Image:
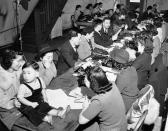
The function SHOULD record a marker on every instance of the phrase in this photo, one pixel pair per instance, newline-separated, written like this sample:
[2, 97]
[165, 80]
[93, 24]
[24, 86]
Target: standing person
[32, 95]
[68, 53]
[47, 70]
[110, 113]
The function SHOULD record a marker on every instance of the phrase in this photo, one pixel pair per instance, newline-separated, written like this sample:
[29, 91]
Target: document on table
[58, 98]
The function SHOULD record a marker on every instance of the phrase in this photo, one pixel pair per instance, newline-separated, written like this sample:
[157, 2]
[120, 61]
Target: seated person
[106, 35]
[85, 46]
[155, 10]
[101, 7]
[9, 77]
[121, 20]
[77, 13]
[110, 14]
[147, 14]
[117, 12]
[10, 71]
[47, 68]
[143, 63]
[32, 95]
[75, 25]
[89, 10]
[68, 53]
[103, 111]
[96, 8]
[127, 79]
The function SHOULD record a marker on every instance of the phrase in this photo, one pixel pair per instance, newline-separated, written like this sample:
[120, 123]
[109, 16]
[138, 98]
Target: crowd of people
[129, 42]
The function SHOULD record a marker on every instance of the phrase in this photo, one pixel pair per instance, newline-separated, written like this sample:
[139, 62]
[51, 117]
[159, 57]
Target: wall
[162, 4]
[8, 18]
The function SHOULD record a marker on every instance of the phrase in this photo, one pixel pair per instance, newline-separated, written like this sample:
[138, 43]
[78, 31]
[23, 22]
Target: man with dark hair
[68, 53]
[106, 35]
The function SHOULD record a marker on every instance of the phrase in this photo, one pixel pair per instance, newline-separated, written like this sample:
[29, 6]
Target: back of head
[149, 8]
[98, 80]
[118, 6]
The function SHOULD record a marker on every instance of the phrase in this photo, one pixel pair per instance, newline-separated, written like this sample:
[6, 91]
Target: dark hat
[44, 48]
[120, 55]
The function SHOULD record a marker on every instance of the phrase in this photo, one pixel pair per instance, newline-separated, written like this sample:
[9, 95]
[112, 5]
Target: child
[31, 94]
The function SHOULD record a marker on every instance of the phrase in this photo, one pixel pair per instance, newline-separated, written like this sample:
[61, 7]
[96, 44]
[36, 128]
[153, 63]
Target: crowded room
[83, 65]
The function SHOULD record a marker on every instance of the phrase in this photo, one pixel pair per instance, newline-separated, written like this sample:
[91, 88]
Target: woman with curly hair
[106, 109]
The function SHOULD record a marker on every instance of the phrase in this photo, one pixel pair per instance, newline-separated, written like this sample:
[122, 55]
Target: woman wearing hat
[102, 112]
[127, 79]
[47, 68]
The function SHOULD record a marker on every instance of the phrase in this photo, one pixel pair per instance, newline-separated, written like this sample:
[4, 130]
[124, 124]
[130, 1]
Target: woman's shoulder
[96, 98]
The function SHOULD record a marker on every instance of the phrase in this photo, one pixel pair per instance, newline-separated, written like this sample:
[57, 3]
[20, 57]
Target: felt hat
[44, 48]
[120, 55]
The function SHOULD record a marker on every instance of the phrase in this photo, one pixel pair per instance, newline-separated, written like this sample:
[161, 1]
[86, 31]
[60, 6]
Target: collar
[105, 30]
[73, 46]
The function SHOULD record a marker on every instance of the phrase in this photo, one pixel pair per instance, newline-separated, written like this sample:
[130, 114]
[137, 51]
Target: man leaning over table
[68, 53]
[105, 36]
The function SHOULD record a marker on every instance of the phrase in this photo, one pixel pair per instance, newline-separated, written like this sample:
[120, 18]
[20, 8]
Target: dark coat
[143, 65]
[67, 58]
[159, 79]
[127, 82]
[104, 39]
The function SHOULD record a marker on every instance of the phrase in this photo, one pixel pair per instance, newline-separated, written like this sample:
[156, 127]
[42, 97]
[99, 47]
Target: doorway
[134, 4]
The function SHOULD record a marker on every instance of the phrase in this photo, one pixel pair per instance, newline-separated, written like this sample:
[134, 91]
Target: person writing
[103, 105]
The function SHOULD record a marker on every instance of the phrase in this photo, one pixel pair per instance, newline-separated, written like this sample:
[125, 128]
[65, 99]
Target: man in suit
[106, 35]
[68, 53]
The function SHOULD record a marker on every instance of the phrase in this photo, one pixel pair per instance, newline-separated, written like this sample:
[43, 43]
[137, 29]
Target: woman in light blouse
[47, 68]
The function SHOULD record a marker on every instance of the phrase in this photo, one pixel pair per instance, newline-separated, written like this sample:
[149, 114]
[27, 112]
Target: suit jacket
[67, 58]
[104, 39]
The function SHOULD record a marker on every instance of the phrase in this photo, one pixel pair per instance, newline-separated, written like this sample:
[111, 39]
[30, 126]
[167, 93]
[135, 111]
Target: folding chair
[141, 121]
[139, 109]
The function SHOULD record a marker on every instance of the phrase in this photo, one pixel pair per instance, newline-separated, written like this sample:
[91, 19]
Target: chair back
[138, 111]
